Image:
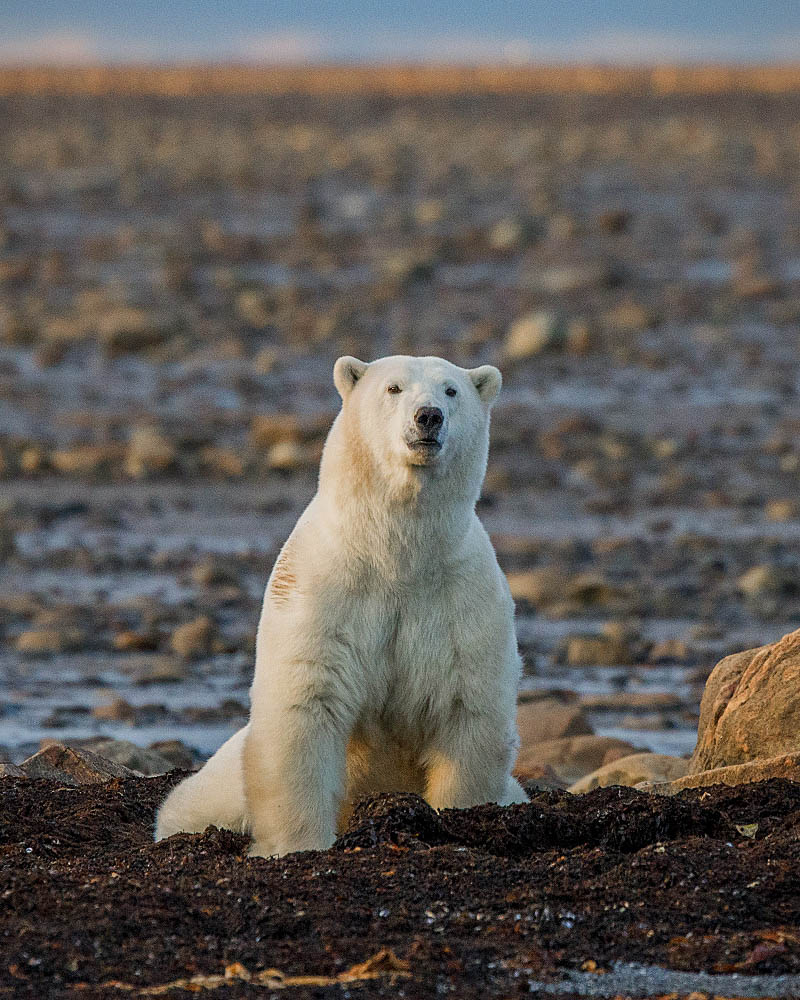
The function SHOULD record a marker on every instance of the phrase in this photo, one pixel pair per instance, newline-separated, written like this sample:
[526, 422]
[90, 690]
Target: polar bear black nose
[429, 419]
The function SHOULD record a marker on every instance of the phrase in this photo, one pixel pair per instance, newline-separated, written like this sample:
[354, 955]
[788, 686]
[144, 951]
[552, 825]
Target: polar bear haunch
[386, 658]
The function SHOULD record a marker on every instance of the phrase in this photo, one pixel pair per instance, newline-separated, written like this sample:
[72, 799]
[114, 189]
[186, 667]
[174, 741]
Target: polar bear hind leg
[212, 796]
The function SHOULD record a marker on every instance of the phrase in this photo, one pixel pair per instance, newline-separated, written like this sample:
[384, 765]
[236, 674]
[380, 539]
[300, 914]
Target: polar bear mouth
[426, 444]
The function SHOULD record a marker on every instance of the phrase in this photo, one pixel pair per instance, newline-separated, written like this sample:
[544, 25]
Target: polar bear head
[423, 416]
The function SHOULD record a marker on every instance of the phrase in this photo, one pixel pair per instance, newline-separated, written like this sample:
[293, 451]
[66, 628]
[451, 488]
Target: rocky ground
[177, 276]
[574, 895]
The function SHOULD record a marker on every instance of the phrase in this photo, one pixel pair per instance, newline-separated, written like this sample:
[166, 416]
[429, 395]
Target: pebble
[176, 753]
[767, 580]
[639, 701]
[118, 710]
[532, 334]
[49, 641]
[193, 639]
[145, 760]
[87, 460]
[538, 587]
[270, 429]
[547, 719]
[149, 453]
[222, 462]
[288, 455]
[782, 511]
[592, 589]
[214, 573]
[73, 766]
[130, 641]
[156, 669]
[671, 651]
[632, 770]
[596, 650]
[9, 770]
[571, 757]
[129, 330]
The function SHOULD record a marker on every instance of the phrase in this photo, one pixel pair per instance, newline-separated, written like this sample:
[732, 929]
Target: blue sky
[515, 31]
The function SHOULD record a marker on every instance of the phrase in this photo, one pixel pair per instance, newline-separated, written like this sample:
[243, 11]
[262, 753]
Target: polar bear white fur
[386, 658]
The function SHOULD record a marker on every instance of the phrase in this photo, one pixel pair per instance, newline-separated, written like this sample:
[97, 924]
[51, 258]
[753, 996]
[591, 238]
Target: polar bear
[386, 657]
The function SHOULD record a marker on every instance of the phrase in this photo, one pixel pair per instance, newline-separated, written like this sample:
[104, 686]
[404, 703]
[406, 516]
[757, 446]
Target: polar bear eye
[450, 391]
[393, 388]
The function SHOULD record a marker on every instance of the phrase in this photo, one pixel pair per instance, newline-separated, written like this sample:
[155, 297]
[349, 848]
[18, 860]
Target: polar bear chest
[407, 655]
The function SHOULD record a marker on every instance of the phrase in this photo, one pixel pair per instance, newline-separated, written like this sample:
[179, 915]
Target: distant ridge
[397, 80]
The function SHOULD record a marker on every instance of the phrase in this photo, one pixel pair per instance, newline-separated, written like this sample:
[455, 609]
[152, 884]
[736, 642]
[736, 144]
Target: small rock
[613, 220]
[71, 766]
[632, 701]
[538, 587]
[591, 589]
[176, 752]
[9, 770]
[507, 234]
[781, 766]
[255, 307]
[229, 709]
[628, 317]
[128, 330]
[561, 279]
[214, 573]
[542, 779]
[149, 453]
[49, 641]
[581, 336]
[265, 361]
[141, 759]
[118, 710]
[221, 462]
[706, 632]
[571, 757]
[655, 722]
[782, 510]
[597, 650]
[130, 641]
[268, 429]
[87, 459]
[767, 580]
[32, 460]
[631, 770]
[287, 455]
[156, 669]
[549, 719]
[671, 651]
[194, 639]
[429, 210]
[532, 334]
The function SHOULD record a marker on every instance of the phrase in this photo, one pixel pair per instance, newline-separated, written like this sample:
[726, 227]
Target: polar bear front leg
[294, 774]
[471, 765]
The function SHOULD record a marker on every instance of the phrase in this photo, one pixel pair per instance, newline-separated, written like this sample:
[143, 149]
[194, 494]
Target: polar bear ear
[487, 380]
[346, 372]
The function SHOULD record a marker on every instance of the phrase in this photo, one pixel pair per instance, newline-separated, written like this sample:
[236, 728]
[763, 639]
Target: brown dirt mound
[475, 902]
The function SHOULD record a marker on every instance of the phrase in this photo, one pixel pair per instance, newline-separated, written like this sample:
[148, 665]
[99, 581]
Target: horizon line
[397, 79]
